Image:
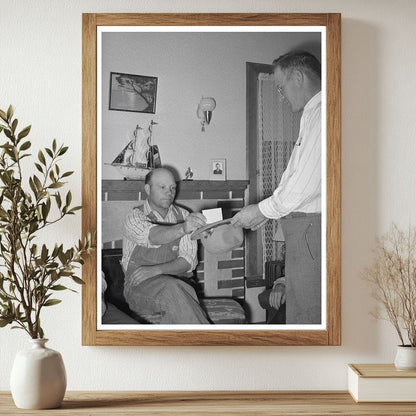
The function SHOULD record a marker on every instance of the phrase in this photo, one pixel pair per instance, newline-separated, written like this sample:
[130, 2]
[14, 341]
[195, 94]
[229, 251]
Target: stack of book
[381, 383]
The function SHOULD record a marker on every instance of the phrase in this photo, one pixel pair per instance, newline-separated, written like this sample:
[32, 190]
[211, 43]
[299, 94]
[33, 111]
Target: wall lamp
[204, 112]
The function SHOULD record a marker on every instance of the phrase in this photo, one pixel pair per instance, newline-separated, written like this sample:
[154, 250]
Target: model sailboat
[139, 157]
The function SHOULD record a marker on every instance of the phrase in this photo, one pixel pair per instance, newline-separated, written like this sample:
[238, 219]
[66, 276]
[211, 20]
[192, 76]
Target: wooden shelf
[119, 190]
[180, 403]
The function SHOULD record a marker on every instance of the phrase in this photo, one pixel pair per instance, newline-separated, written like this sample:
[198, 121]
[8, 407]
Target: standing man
[157, 249]
[297, 199]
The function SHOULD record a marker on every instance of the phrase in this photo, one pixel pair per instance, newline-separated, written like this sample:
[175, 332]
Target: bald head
[160, 187]
[157, 172]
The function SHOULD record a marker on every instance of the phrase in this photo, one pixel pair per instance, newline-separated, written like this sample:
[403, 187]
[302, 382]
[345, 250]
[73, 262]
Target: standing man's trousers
[303, 268]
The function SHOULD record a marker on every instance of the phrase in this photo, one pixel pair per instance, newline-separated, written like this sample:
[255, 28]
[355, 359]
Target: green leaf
[24, 132]
[66, 273]
[10, 112]
[62, 257]
[45, 211]
[49, 152]
[3, 115]
[56, 250]
[56, 185]
[40, 332]
[5, 321]
[68, 199]
[33, 187]
[77, 208]
[78, 280]
[67, 174]
[39, 167]
[63, 150]
[58, 199]
[54, 145]
[41, 157]
[14, 125]
[59, 287]
[37, 182]
[25, 145]
[44, 253]
[8, 133]
[51, 302]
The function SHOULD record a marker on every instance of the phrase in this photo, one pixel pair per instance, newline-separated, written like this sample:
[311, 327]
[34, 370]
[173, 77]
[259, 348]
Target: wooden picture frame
[129, 92]
[331, 334]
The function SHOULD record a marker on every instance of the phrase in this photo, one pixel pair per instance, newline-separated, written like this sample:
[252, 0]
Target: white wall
[41, 75]
[189, 65]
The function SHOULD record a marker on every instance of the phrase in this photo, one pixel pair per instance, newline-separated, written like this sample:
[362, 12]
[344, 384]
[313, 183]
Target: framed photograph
[132, 93]
[218, 170]
[262, 131]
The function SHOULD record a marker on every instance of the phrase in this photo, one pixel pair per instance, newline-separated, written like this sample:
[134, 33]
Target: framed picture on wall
[217, 169]
[241, 270]
[132, 93]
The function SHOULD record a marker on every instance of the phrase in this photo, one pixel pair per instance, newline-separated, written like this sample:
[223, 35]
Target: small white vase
[38, 377]
[405, 358]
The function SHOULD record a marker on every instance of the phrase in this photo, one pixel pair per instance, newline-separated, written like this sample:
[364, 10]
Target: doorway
[272, 130]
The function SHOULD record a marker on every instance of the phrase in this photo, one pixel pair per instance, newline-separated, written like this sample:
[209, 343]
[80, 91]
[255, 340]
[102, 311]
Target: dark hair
[300, 60]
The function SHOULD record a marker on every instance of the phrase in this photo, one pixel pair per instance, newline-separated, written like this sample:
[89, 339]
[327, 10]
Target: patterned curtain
[278, 129]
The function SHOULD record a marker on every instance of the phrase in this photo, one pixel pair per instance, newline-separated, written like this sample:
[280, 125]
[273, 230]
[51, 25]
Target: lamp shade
[207, 104]
[204, 110]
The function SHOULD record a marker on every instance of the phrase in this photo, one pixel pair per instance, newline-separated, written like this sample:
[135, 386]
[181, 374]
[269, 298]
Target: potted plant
[31, 273]
[393, 277]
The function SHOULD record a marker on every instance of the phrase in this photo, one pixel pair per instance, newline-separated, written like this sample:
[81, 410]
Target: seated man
[156, 248]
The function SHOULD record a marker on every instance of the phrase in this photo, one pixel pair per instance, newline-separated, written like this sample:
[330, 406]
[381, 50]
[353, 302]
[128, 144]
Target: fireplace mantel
[120, 190]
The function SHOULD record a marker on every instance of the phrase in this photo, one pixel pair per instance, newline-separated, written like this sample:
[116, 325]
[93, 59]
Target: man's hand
[193, 222]
[164, 234]
[277, 296]
[249, 217]
[144, 272]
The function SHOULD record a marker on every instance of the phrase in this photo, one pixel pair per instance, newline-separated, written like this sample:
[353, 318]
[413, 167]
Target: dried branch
[393, 277]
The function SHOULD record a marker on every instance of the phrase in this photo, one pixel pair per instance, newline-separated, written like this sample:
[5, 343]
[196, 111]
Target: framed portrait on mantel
[217, 169]
[230, 57]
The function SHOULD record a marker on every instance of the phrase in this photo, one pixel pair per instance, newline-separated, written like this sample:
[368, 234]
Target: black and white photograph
[218, 169]
[160, 280]
[162, 266]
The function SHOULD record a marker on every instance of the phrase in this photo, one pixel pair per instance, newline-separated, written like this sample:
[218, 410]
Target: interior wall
[189, 66]
[41, 76]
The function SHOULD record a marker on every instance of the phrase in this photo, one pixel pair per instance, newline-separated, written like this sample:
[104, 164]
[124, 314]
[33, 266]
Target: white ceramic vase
[38, 377]
[405, 358]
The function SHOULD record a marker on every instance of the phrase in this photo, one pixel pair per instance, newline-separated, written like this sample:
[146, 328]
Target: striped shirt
[136, 230]
[300, 187]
